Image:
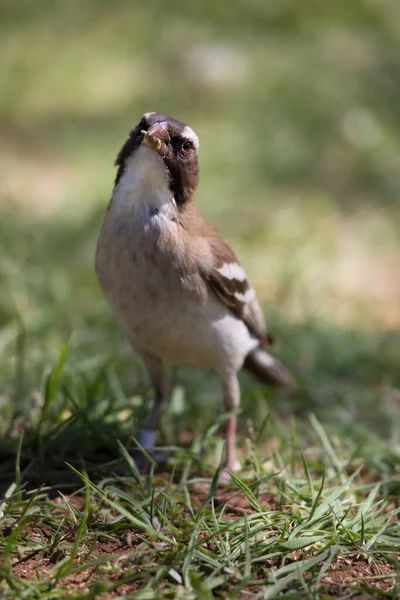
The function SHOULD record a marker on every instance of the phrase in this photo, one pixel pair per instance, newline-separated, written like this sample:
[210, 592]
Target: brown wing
[240, 297]
[224, 276]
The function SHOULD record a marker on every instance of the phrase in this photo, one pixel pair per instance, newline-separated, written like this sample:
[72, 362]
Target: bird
[176, 288]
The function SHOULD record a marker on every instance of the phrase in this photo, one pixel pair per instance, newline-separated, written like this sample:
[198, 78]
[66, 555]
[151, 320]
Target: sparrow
[176, 287]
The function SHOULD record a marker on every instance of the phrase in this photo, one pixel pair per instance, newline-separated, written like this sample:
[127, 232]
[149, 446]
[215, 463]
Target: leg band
[147, 438]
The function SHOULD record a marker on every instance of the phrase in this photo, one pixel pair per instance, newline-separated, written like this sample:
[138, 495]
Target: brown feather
[228, 291]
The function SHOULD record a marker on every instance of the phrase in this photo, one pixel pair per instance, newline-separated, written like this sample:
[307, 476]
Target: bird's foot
[155, 457]
[232, 466]
[144, 461]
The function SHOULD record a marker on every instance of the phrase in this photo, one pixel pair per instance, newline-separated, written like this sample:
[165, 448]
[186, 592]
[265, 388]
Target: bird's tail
[269, 370]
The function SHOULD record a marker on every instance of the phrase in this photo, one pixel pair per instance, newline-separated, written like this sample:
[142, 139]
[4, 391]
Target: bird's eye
[186, 146]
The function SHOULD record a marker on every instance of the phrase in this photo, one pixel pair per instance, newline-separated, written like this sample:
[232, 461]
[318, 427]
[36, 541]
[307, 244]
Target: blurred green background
[297, 106]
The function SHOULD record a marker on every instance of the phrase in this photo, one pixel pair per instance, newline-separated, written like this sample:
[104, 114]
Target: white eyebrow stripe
[233, 271]
[147, 115]
[188, 133]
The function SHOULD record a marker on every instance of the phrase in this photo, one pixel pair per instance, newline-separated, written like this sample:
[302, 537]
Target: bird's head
[175, 144]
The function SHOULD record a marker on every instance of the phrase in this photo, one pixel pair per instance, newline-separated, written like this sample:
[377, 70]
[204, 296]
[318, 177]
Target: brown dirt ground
[342, 578]
[344, 575]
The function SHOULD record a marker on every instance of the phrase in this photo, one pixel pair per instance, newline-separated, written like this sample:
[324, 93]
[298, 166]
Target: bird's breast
[140, 262]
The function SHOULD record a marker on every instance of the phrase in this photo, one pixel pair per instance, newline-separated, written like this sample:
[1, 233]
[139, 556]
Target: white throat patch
[144, 185]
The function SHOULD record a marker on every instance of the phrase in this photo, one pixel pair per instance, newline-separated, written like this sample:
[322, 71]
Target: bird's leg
[232, 402]
[147, 435]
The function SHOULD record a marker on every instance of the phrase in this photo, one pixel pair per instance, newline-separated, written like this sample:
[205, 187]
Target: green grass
[314, 509]
[296, 106]
[177, 537]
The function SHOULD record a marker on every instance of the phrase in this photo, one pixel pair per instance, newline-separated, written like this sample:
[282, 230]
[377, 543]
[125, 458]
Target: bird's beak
[157, 138]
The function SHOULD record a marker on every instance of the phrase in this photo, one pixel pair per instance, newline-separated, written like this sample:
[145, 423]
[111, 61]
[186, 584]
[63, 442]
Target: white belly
[159, 315]
[171, 322]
